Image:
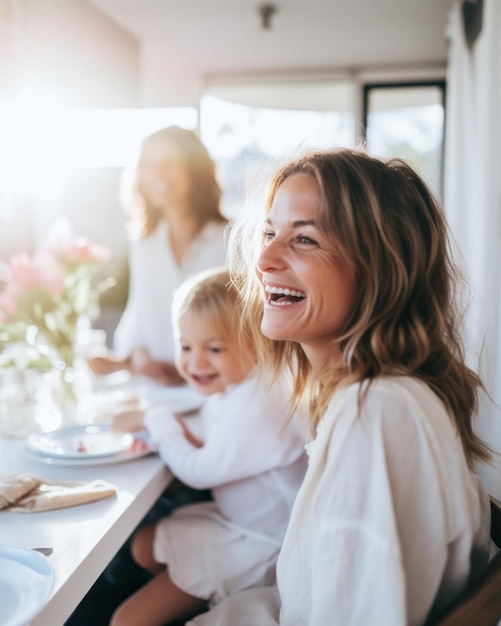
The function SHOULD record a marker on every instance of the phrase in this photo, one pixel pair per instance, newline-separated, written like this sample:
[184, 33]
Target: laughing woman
[355, 291]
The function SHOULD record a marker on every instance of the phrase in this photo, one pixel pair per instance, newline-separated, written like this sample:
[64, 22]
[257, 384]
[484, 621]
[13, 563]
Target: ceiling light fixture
[266, 11]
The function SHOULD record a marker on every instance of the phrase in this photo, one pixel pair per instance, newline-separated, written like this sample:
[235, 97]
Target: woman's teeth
[285, 292]
[283, 296]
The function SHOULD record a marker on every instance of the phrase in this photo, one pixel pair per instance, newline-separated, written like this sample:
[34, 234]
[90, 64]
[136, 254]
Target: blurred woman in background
[176, 229]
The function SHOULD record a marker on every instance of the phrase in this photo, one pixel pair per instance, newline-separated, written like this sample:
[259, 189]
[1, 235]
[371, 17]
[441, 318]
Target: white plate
[26, 581]
[108, 403]
[130, 455]
[104, 404]
[93, 441]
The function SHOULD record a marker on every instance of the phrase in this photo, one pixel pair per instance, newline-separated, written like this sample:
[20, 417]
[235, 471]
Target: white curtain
[472, 198]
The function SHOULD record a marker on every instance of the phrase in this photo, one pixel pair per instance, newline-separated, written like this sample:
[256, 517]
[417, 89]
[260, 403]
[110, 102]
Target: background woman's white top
[154, 276]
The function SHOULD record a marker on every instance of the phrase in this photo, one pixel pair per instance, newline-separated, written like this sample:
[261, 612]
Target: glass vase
[18, 401]
[72, 382]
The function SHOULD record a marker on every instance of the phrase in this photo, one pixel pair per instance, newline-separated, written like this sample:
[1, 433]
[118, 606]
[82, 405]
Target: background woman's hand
[128, 421]
[103, 365]
[163, 372]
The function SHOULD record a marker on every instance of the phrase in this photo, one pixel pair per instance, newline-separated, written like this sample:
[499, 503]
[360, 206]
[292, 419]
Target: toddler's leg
[157, 603]
[142, 549]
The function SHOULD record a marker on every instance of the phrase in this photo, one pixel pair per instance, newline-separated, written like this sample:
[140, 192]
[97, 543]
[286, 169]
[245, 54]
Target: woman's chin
[274, 333]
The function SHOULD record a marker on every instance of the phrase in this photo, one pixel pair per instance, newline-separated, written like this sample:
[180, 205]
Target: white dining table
[84, 538]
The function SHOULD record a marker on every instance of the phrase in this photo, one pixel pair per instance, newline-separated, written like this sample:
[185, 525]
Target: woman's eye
[215, 350]
[306, 240]
[185, 348]
[268, 235]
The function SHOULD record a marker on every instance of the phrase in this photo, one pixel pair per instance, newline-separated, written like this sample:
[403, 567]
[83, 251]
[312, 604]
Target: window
[406, 120]
[250, 128]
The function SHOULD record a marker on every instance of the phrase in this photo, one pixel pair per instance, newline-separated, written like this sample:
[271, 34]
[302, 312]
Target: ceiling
[186, 42]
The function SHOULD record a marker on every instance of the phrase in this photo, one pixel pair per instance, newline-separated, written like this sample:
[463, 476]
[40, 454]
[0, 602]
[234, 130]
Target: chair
[480, 603]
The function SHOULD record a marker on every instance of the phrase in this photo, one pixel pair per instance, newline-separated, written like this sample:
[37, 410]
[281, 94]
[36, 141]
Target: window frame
[441, 84]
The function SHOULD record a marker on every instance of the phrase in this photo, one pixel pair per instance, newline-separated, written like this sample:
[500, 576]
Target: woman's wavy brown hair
[393, 237]
[205, 190]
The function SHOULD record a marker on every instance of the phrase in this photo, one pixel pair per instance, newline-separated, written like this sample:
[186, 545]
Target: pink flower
[81, 250]
[21, 275]
[26, 274]
[50, 273]
[73, 250]
[43, 296]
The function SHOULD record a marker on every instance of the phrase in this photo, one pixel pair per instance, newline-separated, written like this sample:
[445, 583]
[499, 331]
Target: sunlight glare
[42, 140]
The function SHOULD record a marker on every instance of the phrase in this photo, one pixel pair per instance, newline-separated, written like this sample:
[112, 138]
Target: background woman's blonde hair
[392, 235]
[205, 190]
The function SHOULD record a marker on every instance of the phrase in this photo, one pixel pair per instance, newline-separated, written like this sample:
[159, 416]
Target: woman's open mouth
[282, 296]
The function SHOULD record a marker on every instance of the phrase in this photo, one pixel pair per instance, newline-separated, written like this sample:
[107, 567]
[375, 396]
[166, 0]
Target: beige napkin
[13, 488]
[27, 493]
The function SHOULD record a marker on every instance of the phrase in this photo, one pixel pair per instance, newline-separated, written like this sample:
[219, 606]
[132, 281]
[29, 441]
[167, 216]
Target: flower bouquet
[43, 300]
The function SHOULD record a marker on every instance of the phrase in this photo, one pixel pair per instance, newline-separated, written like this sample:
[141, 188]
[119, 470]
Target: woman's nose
[271, 258]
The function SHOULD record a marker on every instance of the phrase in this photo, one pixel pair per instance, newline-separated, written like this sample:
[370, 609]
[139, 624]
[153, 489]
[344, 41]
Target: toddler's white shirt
[253, 460]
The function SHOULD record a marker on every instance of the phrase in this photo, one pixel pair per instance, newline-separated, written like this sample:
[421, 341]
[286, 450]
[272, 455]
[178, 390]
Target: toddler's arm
[189, 435]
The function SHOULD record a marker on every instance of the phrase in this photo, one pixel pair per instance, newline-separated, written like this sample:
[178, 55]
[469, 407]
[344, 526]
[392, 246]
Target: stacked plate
[93, 444]
[96, 443]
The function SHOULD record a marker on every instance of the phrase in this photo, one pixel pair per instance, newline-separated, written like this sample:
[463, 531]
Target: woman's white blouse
[389, 522]
[154, 276]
